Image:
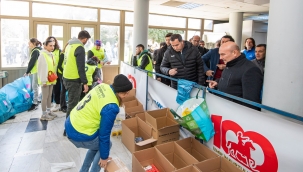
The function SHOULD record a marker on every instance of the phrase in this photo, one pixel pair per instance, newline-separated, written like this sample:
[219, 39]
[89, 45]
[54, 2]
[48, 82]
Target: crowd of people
[90, 110]
[226, 68]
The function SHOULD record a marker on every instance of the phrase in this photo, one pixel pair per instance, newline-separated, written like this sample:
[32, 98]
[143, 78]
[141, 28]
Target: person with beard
[143, 60]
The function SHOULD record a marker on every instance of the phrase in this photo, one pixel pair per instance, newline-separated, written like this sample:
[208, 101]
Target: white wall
[250, 28]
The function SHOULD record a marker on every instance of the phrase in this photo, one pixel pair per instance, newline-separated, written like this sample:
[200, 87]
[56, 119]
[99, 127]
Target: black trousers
[83, 94]
[74, 92]
[62, 94]
[57, 91]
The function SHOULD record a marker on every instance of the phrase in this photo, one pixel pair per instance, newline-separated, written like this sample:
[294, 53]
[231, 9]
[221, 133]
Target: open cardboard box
[165, 128]
[150, 156]
[176, 155]
[218, 164]
[132, 108]
[189, 169]
[116, 165]
[135, 127]
[131, 96]
[196, 149]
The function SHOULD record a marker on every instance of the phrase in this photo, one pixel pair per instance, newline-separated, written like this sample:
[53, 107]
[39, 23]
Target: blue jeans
[92, 155]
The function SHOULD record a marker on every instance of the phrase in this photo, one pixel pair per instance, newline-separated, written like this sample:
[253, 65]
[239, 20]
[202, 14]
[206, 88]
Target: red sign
[249, 148]
[132, 80]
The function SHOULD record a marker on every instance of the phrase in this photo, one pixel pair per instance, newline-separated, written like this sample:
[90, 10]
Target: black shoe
[33, 107]
[64, 133]
[63, 110]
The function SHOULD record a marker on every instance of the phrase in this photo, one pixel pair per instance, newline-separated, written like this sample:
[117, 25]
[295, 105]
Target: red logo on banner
[132, 80]
[249, 148]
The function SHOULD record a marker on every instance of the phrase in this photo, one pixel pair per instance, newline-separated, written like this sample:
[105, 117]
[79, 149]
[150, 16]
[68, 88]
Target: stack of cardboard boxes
[161, 146]
[187, 155]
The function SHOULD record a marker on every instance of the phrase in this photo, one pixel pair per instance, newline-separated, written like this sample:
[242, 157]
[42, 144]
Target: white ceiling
[211, 9]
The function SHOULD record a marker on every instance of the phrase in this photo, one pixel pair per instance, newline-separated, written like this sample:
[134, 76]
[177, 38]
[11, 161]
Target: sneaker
[52, 114]
[55, 108]
[33, 107]
[46, 117]
[63, 110]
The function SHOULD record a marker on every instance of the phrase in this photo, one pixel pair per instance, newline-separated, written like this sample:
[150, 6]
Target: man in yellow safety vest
[144, 60]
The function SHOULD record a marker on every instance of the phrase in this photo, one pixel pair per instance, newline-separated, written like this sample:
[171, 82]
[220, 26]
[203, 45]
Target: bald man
[195, 41]
[241, 77]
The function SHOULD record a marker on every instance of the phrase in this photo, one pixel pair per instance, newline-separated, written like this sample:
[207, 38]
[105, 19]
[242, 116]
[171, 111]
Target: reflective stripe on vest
[70, 69]
[99, 54]
[89, 71]
[34, 69]
[149, 66]
[50, 67]
[85, 117]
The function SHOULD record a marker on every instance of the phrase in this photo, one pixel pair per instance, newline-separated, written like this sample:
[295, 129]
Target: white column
[283, 80]
[235, 26]
[140, 32]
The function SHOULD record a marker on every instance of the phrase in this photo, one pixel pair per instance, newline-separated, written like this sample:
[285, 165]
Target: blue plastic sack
[5, 105]
[27, 83]
[13, 94]
[184, 89]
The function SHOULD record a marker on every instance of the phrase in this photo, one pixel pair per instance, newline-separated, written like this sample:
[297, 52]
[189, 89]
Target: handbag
[52, 76]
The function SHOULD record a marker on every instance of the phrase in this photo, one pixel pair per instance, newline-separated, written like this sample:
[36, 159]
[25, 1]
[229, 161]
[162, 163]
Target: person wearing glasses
[90, 122]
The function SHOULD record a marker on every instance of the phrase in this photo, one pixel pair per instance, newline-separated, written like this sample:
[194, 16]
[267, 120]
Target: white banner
[252, 140]
[139, 80]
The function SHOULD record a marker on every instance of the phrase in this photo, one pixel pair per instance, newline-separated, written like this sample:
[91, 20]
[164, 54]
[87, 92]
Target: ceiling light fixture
[189, 6]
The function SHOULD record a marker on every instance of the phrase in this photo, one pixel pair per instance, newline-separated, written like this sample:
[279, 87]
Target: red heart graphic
[241, 151]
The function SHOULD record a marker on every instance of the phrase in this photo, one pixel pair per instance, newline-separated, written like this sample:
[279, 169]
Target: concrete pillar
[140, 32]
[235, 26]
[283, 80]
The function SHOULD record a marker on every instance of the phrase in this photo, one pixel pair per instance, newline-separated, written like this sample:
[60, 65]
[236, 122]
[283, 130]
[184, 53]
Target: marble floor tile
[35, 124]
[32, 141]
[36, 113]
[26, 163]
[22, 117]
[14, 133]
[2, 131]
[55, 130]
[7, 152]
[5, 126]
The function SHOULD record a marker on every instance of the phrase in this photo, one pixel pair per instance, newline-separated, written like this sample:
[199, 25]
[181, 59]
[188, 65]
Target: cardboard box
[135, 127]
[165, 128]
[116, 165]
[196, 149]
[131, 96]
[189, 169]
[132, 108]
[176, 155]
[150, 156]
[218, 164]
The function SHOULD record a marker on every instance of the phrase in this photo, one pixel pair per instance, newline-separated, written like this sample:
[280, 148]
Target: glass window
[194, 23]
[109, 41]
[75, 31]
[110, 16]
[156, 36]
[90, 43]
[42, 32]
[128, 44]
[129, 17]
[64, 12]
[14, 42]
[14, 8]
[159, 20]
[57, 31]
[192, 33]
[208, 24]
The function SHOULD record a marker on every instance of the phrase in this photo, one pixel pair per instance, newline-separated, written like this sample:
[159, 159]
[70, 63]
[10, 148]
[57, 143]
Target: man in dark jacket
[160, 58]
[195, 41]
[241, 77]
[182, 60]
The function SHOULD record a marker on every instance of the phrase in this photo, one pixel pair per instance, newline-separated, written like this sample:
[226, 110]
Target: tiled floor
[22, 149]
